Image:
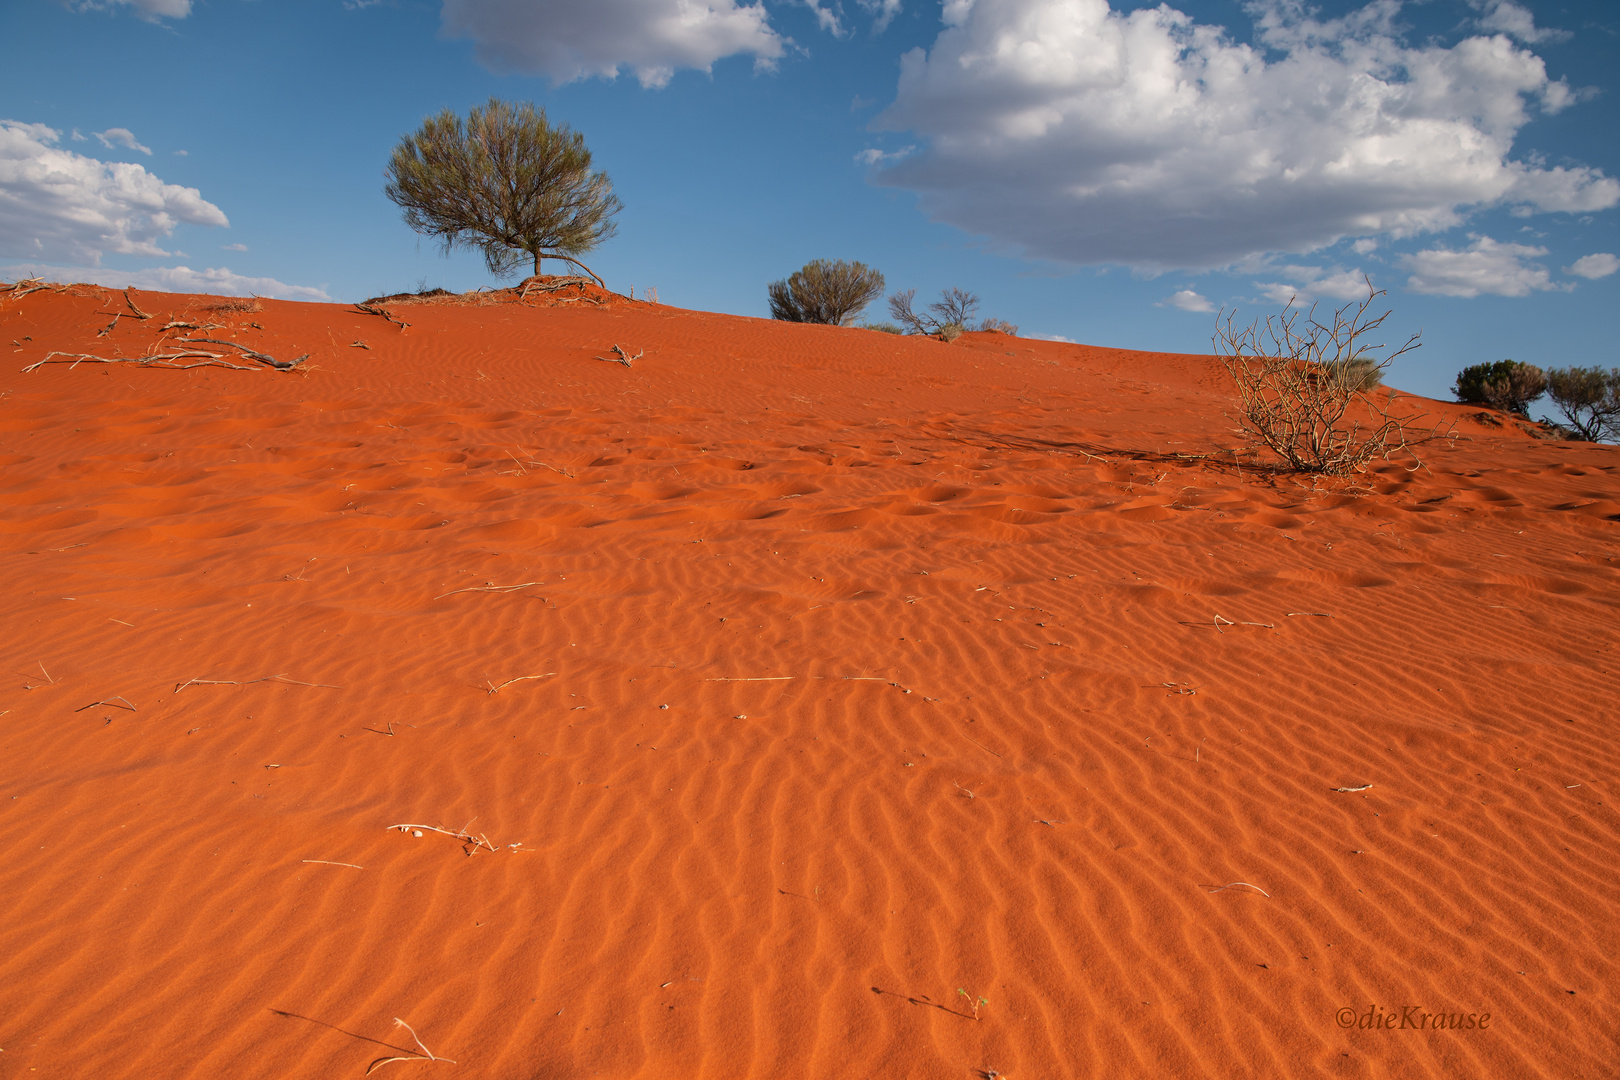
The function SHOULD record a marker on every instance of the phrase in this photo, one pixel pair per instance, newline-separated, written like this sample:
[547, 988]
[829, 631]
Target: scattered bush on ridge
[825, 291]
[945, 319]
[1589, 398]
[1507, 385]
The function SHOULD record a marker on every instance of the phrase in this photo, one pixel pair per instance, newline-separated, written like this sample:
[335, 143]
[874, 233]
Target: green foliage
[1589, 398]
[1507, 385]
[507, 182]
[882, 327]
[825, 291]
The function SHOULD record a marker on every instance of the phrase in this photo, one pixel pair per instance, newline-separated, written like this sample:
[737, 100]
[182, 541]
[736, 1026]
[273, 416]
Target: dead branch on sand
[1362, 787]
[130, 300]
[623, 358]
[554, 285]
[249, 682]
[469, 840]
[380, 1062]
[329, 862]
[160, 360]
[252, 354]
[383, 313]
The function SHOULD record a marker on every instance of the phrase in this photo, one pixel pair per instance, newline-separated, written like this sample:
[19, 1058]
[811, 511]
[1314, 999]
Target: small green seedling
[973, 1003]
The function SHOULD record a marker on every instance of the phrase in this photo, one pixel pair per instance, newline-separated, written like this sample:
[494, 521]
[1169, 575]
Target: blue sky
[1105, 174]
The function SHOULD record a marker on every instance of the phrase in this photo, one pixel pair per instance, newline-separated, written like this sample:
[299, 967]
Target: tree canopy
[506, 182]
[825, 291]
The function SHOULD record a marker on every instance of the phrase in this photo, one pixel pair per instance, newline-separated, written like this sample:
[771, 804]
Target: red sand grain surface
[801, 679]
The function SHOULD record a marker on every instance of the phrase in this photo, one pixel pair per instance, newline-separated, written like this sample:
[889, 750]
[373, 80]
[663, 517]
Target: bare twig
[963, 790]
[130, 300]
[1363, 787]
[1234, 884]
[114, 701]
[762, 678]
[521, 678]
[329, 862]
[427, 1055]
[248, 682]
[1318, 614]
[489, 588]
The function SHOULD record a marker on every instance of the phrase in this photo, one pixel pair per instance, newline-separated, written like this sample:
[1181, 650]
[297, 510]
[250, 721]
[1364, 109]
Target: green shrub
[825, 291]
[1507, 385]
[1589, 398]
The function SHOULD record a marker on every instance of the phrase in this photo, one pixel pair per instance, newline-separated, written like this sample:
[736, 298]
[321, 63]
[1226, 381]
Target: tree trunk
[537, 263]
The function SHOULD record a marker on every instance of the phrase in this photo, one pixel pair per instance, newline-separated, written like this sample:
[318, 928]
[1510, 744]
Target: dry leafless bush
[1303, 390]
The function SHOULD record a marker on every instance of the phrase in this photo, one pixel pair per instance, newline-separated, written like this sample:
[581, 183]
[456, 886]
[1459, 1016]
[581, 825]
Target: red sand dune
[809, 685]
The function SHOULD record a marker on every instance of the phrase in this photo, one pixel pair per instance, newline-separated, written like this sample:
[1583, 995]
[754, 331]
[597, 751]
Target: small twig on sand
[489, 588]
[329, 862]
[623, 358]
[1234, 884]
[1229, 622]
[521, 678]
[1318, 614]
[247, 682]
[478, 841]
[963, 790]
[380, 1062]
[114, 701]
[1363, 787]
[252, 354]
[761, 678]
[981, 746]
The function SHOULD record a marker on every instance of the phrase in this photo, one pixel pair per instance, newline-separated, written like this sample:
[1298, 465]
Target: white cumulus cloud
[1188, 300]
[150, 10]
[113, 138]
[567, 39]
[176, 279]
[1504, 16]
[56, 204]
[1307, 283]
[1595, 266]
[883, 13]
[1075, 132]
[1485, 266]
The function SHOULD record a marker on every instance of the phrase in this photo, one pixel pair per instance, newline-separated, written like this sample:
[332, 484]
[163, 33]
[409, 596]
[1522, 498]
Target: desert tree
[507, 182]
[1508, 385]
[1303, 388]
[825, 291]
[1589, 398]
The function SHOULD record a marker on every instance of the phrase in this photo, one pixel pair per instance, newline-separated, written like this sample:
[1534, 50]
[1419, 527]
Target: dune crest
[794, 701]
